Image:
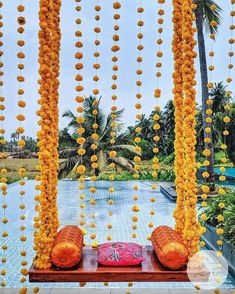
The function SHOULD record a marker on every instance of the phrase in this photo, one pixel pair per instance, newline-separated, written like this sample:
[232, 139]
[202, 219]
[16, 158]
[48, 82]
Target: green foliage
[212, 211]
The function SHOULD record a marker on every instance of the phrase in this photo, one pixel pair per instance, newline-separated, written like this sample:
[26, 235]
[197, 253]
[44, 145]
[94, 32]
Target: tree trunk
[204, 89]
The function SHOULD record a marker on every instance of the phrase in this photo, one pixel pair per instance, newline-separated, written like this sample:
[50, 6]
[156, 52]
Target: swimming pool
[68, 203]
[229, 171]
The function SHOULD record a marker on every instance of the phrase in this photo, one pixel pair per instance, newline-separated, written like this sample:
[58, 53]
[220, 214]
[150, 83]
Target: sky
[127, 56]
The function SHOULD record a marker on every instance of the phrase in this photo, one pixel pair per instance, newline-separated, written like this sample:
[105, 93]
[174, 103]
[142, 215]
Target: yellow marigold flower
[111, 190]
[135, 208]
[219, 231]
[219, 242]
[94, 165]
[135, 197]
[135, 219]
[92, 202]
[207, 130]
[22, 172]
[3, 171]
[81, 169]
[137, 149]
[224, 146]
[138, 130]
[221, 205]
[94, 146]
[203, 217]
[81, 151]
[206, 163]
[226, 119]
[227, 107]
[95, 244]
[205, 175]
[222, 169]
[136, 187]
[137, 140]
[222, 178]
[137, 159]
[209, 111]
[94, 158]
[220, 218]
[225, 133]
[206, 152]
[95, 136]
[209, 120]
[20, 117]
[221, 191]
[112, 153]
[81, 131]
[92, 189]
[202, 244]
[80, 120]
[204, 204]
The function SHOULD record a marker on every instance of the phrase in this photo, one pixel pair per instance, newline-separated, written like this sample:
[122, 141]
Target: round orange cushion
[67, 247]
[169, 247]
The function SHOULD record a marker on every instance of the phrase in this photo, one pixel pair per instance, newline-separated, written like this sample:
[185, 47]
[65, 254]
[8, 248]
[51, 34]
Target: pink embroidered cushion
[120, 254]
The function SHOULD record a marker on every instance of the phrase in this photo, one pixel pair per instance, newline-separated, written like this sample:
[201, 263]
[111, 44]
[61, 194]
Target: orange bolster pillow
[67, 247]
[169, 247]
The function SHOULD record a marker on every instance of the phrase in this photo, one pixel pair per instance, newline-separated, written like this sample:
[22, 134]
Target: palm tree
[220, 98]
[204, 15]
[69, 153]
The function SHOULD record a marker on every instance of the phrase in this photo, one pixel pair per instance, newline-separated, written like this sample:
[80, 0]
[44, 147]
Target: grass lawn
[12, 165]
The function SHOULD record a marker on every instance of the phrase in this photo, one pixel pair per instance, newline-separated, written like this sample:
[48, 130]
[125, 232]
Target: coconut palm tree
[204, 15]
[69, 153]
[220, 98]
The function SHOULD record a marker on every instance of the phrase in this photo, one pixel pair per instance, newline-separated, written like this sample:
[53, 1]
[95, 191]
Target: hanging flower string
[3, 171]
[49, 39]
[192, 229]
[156, 116]
[81, 169]
[138, 106]
[226, 122]
[177, 48]
[21, 142]
[113, 125]
[208, 131]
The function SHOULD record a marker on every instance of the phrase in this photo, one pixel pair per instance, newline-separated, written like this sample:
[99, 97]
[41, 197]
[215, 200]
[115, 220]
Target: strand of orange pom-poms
[80, 110]
[21, 142]
[156, 113]
[192, 230]
[209, 158]
[3, 171]
[49, 39]
[226, 123]
[138, 106]
[113, 125]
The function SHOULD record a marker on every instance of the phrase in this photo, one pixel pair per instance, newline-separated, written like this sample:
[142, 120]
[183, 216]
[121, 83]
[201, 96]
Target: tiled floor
[68, 202]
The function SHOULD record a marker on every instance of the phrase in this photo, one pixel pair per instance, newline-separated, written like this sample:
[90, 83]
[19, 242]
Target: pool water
[229, 171]
[69, 212]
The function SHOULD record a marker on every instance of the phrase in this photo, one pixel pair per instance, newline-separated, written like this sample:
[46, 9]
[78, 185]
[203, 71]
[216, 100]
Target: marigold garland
[156, 114]
[81, 169]
[21, 142]
[114, 125]
[226, 122]
[177, 47]
[138, 106]
[192, 229]
[49, 39]
[3, 171]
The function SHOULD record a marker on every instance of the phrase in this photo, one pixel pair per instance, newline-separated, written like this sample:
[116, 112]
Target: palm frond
[130, 148]
[210, 15]
[68, 165]
[123, 163]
